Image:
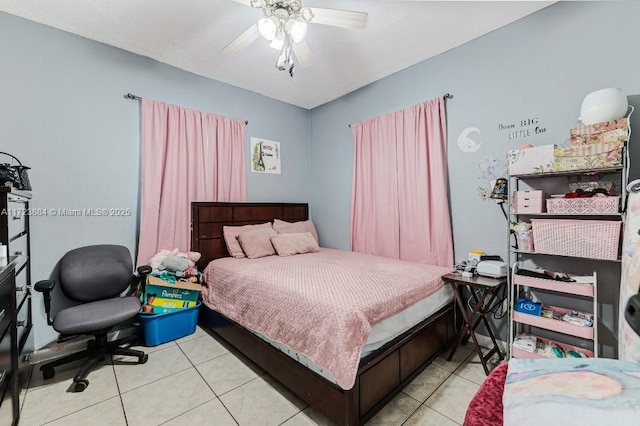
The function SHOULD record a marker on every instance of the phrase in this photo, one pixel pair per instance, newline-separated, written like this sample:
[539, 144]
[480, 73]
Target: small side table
[489, 288]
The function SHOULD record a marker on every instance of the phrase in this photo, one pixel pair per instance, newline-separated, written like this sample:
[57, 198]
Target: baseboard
[486, 342]
[59, 349]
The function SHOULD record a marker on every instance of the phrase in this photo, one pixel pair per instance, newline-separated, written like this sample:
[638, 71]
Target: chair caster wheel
[48, 373]
[81, 385]
[143, 359]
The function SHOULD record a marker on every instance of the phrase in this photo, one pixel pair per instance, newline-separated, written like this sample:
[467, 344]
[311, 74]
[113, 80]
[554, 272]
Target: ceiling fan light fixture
[278, 41]
[297, 30]
[307, 14]
[268, 28]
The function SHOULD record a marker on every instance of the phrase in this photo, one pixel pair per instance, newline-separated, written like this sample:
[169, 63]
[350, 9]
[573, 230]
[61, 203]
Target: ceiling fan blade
[245, 2]
[339, 18]
[243, 40]
[303, 53]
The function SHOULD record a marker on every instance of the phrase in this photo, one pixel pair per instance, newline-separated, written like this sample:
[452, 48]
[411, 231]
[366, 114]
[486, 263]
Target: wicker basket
[594, 205]
[597, 239]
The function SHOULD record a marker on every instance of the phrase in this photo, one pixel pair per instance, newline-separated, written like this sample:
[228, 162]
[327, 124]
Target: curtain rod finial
[448, 96]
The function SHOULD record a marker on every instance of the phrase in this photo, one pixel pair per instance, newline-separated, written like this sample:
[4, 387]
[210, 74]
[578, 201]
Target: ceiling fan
[285, 26]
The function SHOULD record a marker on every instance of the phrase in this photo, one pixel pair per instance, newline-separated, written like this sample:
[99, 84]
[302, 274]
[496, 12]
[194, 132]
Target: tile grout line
[80, 409]
[216, 396]
[124, 411]
[451, 373]
[156, 380]
[209, 386]
[414, 411]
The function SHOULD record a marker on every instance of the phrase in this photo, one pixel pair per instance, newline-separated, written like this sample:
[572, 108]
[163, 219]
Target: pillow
[231, 234]
[257, 242]
[283, 227]
[295, 243]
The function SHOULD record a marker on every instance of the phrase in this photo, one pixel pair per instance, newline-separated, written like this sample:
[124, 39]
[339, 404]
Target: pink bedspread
[320, 304]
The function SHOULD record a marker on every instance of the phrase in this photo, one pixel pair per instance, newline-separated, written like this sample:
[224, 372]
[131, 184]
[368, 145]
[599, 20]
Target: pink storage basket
[594, 205]
[597, 239]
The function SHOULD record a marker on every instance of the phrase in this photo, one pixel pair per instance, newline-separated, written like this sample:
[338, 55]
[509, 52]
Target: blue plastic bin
[162, 328]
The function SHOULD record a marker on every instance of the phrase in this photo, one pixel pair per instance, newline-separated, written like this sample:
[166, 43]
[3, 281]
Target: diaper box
[168, 297]
[162, 306]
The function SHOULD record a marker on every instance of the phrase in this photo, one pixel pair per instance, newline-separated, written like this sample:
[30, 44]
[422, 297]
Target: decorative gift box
[537, 159]
[592, 156]
[608, 131]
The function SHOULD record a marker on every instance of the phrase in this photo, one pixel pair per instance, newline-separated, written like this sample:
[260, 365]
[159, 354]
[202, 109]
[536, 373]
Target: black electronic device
[632, 313]
[490, 257]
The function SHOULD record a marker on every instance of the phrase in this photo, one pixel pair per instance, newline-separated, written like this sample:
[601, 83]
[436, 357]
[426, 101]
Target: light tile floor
[198, 380]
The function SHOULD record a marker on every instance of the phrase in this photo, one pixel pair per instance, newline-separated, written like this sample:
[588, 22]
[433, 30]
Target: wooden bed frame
[381, 375]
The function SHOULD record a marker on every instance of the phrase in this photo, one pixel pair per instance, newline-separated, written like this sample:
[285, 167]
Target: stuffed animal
[175, 263]
[174, 260]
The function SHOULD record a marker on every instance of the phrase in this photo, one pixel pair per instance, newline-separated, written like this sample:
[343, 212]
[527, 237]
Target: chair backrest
[95, 272]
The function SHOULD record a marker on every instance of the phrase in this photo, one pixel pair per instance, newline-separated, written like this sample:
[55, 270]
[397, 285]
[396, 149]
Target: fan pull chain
[285, 59]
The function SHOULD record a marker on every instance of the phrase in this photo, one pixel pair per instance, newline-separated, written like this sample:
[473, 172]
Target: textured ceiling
[190, 35]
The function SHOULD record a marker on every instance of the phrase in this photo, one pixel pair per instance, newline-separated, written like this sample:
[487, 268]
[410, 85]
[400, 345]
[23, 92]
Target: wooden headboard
[208, 218]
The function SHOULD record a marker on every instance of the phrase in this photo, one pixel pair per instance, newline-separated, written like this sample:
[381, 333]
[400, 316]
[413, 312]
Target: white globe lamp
[603, 105]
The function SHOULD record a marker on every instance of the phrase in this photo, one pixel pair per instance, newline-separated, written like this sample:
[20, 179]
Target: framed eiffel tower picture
[265, 156]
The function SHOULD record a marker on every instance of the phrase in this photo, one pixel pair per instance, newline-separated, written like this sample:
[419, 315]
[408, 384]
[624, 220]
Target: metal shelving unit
[519, 322]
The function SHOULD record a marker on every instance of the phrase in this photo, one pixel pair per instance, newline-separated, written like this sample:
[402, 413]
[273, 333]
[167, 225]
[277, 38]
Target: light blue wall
[541, 66]
[63, 113]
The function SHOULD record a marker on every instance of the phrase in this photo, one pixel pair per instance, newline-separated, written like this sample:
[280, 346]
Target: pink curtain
[187, 156]
[400, 205]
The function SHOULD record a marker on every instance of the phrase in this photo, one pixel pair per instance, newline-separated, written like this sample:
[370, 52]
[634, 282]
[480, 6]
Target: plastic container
[162, 328]
[554, 285]
[520, 353]
[581, 238]
[525, 240]
[553, 324]
[595, 205]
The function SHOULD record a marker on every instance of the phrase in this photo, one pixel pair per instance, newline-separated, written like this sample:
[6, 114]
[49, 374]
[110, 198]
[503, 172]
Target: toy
[174, 260]
[175, 263]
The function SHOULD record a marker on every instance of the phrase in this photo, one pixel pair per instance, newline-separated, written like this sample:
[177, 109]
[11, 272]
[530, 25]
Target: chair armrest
[139, 280]
[144, 270]
[44, 286]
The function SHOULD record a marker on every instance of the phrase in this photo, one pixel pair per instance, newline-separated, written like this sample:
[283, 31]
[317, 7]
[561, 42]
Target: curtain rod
[446, 96]
[138, 98]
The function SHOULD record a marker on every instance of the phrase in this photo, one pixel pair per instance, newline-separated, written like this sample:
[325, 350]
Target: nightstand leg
[471, 323]
[487, 324]
[463, 312]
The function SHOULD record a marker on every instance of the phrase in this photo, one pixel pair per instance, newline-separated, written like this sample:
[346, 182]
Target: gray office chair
[95, 276]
